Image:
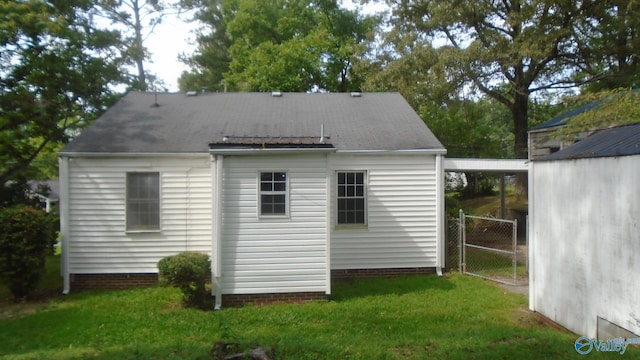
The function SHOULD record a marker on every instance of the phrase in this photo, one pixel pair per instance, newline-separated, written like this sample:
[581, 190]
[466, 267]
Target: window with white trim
[351, 198]
[143, 201]
[273, 193]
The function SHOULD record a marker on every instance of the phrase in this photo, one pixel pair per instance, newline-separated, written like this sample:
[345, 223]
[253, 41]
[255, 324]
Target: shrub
[25, 237]
[189, 271]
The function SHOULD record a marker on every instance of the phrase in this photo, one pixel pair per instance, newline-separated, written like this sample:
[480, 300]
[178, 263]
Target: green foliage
[298, 45]
[614, 107]
[25, 239]
[189, 271]
[56, 76]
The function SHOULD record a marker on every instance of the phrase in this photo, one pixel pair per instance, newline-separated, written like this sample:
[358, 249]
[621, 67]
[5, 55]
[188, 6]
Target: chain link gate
[488, 248]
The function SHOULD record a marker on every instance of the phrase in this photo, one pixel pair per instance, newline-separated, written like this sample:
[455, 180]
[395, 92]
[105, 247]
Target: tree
[296, 45]
[56, 77]
[211, 59]
[527, 45]
[138, 19]
[611, 39]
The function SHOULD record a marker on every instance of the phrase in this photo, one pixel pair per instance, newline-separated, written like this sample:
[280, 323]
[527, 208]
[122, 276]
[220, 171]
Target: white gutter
[440, 216]
[216, 251]
[269, 151]
[130, 155]
[63, 164]
[395, 152]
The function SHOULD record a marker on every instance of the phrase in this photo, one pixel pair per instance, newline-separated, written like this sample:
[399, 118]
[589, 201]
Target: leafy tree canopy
[55, 78]
[296, 45]
[529, 46]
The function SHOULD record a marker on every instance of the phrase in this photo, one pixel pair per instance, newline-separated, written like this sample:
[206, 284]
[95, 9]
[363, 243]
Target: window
[143, 201]
[273, 193]
[351, 198]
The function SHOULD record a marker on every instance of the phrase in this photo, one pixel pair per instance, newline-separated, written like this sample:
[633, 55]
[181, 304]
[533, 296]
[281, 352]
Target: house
[584, 240]
[47, 193]
[542, 138]
[284, 190]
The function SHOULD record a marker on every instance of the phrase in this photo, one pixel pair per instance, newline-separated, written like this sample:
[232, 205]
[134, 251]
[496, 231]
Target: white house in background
[282, 189]
[584, 234]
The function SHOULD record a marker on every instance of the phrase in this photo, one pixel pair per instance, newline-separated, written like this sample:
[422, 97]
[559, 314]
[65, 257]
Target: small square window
[273, 193]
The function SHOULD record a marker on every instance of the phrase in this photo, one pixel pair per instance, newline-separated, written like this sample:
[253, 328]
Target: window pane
[143, 201]
[272, 199]
[351, 198]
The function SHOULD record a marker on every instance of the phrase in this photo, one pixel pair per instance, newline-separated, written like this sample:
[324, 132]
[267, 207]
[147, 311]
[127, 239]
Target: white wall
[585, 242]
[270, 255]
[97, 238]
[401, 199]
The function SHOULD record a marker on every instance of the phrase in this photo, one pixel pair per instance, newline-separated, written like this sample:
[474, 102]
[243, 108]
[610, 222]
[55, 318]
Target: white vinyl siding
[401, 214]
[98, 239]
[270, 255]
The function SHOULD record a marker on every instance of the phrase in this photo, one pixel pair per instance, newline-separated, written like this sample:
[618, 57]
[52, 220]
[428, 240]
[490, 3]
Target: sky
[175, 36]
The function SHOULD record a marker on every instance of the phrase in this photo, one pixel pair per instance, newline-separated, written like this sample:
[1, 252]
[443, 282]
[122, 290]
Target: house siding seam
[97, 240]
[402, 214]
[280, 254]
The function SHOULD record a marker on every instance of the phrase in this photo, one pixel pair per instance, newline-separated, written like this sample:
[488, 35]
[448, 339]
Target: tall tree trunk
[520, 113]
[138, 52]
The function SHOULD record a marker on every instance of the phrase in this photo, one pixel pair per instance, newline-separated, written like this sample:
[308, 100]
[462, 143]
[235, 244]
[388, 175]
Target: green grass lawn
[414, 317]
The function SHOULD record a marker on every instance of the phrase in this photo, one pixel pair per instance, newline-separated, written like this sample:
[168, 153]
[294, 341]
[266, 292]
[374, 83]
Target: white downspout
[63, 165]
[216, 251]
[531, 238]
[440, 217]
[328, 218]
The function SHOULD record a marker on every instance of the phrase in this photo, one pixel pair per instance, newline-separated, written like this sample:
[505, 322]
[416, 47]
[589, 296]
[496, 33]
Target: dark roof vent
[356, 94]
[192, 93]
[276, 94]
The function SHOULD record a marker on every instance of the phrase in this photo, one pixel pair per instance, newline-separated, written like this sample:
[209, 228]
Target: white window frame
[364, 196]
[137, 228]
[284, 192]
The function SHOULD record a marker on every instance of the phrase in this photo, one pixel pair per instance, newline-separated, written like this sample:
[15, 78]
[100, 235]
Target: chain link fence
[487, 248]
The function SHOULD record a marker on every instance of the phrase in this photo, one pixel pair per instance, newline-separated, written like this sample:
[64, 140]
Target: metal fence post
[461, 241]
[515, 251]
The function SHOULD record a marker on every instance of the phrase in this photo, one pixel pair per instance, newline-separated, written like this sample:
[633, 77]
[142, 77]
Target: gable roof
[616, 141]
[176, 123]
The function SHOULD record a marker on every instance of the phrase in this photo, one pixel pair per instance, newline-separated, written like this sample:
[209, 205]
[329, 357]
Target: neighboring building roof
[561, 119]
[53, 185]
[616, 141]
[177, 123]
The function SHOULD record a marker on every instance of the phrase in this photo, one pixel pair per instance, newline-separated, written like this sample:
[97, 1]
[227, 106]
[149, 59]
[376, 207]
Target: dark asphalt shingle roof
[187, 124]
[617, 141]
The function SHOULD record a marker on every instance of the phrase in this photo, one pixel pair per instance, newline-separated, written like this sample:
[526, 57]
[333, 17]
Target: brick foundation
[112, 281]
[236, 300]
[373, 273]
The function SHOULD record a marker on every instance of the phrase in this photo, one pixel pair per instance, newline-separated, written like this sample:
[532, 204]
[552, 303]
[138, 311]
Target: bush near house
[25, 238]
[188, 271]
